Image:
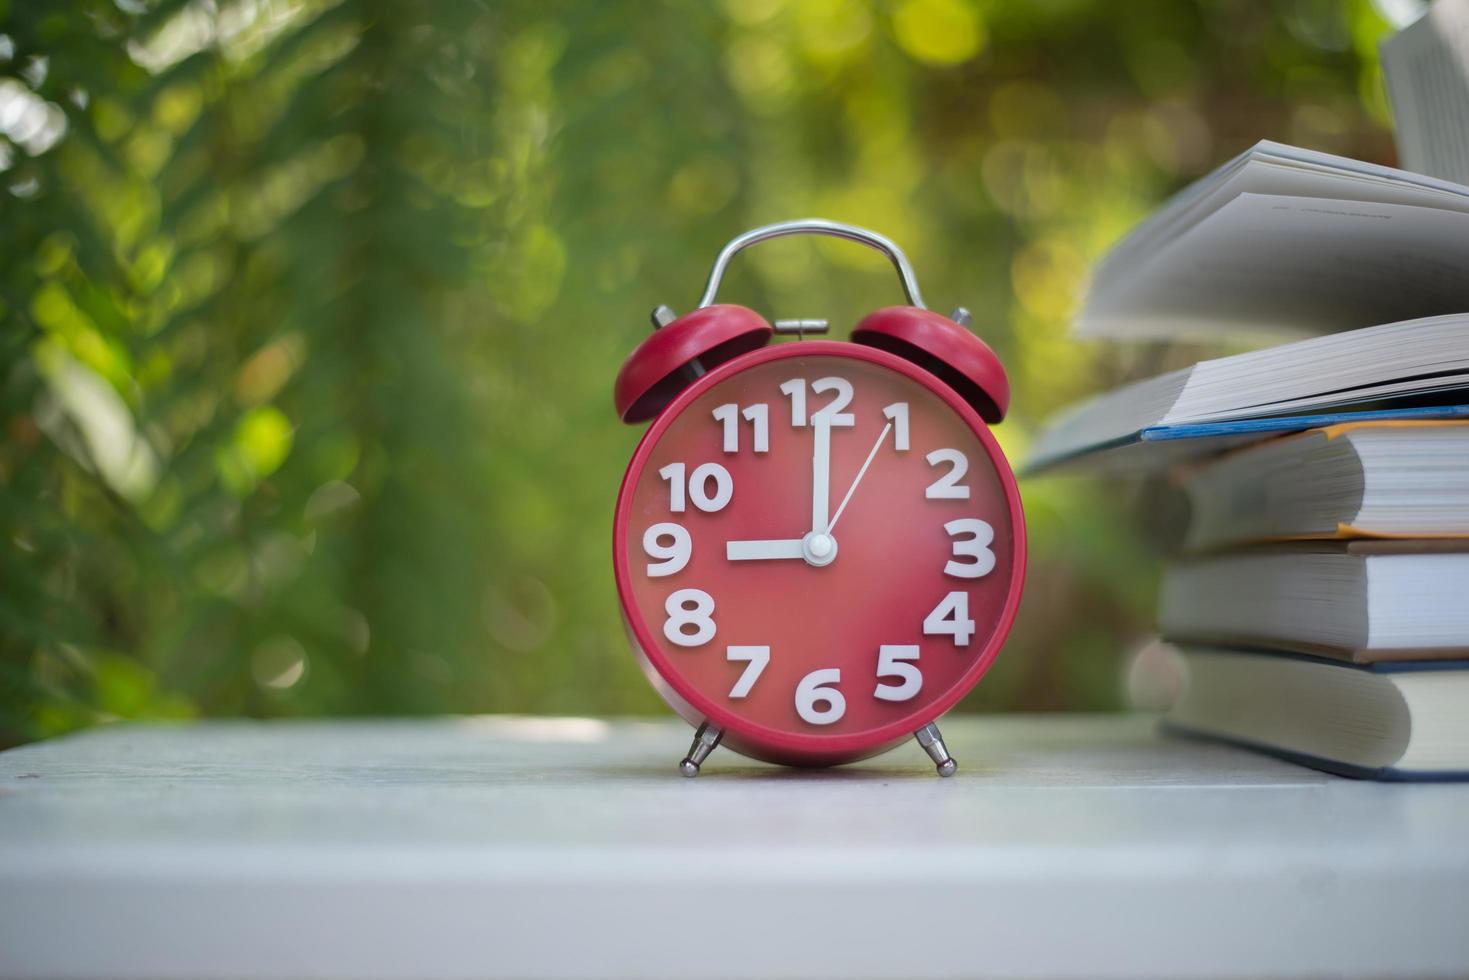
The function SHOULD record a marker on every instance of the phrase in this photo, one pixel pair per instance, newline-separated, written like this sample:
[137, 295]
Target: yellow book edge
[1346, 532]
[1332, 431]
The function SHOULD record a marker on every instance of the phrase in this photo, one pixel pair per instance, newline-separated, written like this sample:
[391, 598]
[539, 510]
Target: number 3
[977, 547]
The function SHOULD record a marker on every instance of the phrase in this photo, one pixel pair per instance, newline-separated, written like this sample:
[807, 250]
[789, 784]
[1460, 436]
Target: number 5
[890, 663]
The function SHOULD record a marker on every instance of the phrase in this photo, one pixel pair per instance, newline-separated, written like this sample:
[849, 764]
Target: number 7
[758, 657]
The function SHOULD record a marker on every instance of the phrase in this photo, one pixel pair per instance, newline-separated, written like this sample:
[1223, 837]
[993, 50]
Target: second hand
[860, 473]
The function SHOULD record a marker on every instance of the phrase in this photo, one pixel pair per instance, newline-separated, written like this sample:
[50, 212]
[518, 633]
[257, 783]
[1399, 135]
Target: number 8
[689, 607]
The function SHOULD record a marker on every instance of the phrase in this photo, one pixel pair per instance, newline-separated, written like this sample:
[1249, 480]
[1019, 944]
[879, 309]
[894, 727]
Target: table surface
[569, 847]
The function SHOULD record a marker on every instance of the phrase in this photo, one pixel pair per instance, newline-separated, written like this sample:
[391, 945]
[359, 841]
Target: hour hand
[754, 550]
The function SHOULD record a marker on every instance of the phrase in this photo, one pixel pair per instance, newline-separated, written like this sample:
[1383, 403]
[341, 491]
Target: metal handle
[814, 226]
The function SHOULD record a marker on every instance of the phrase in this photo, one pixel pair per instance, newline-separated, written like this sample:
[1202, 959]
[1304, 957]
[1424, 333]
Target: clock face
[819, 548]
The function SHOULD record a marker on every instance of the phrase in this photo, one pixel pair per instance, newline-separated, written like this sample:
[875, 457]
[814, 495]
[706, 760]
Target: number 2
[831, 414]
[947, 486]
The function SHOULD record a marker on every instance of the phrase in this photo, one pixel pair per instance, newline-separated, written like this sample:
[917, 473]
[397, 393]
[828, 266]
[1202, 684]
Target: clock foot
[706, 740]
[932, 741]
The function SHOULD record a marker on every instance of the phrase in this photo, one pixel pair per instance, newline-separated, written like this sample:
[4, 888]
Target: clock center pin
[818, 548]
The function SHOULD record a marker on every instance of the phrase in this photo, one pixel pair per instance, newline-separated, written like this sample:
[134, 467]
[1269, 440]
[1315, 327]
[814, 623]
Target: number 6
[810, 693]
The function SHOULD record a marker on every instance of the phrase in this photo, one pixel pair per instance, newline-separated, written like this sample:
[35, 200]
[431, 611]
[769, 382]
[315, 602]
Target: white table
[570, 847]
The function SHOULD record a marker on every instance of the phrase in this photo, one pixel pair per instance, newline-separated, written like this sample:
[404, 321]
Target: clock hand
[754, 550]
[821, 478]
[860, 473]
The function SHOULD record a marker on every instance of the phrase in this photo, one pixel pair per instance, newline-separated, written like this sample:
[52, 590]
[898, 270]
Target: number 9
[675, 555]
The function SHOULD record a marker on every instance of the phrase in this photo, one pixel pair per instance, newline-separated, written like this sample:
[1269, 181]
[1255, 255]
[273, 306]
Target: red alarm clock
[819, 546]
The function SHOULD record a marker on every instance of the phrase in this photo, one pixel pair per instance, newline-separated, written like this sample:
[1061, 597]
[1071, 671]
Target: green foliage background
[311, 309]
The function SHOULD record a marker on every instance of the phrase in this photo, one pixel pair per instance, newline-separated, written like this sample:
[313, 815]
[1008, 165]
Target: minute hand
[860, 473]
[821, 478]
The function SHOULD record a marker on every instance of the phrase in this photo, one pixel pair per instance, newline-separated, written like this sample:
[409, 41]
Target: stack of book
[1319, 608]
[1323, 608]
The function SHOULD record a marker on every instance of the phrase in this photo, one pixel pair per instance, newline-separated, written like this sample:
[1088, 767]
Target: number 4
[951, 617]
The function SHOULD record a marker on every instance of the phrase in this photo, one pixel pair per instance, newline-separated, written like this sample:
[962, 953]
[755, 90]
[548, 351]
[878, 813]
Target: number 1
[796, 389]
[897, 412]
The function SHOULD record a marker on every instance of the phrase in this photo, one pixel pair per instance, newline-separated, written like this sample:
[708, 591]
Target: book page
[1273, 168]
[1292, 266]
[1427, 69]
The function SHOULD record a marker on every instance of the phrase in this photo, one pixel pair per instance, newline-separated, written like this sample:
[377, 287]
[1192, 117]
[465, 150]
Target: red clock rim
[733, 724]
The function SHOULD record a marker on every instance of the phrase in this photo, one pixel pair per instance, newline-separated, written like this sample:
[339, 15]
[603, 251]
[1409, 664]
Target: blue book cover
[1161, 445]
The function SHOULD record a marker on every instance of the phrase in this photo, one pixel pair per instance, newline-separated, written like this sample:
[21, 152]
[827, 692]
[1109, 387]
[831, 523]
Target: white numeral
[832, 413]
[796, 389]
[977, 547]
[891, 663]
[897, 412]
[729, 415]
[947, 486]
[757, 415]
[757, 657]
[811, 692]
[689, 607]
[951, 618]
[673, 556]
[698, 487]
[673, 473]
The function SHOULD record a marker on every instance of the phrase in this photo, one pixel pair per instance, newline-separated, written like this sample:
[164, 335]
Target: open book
[1287, 241]
[1396, 364]
[1427, 70]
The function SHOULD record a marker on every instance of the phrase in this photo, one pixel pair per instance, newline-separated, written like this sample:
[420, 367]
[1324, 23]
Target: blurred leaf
[311, 308]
